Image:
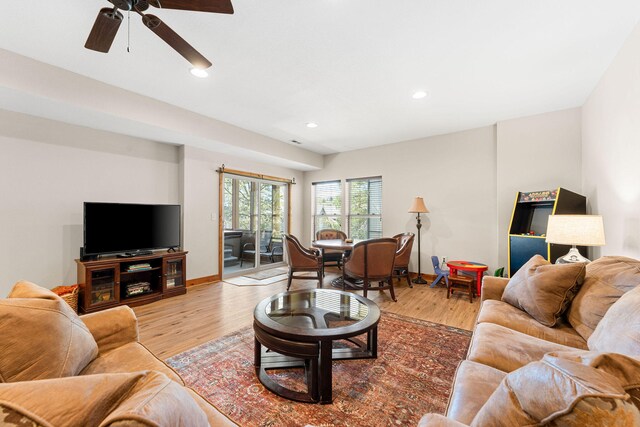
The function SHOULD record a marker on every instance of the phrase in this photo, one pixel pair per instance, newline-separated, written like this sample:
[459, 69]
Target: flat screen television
[129, 228]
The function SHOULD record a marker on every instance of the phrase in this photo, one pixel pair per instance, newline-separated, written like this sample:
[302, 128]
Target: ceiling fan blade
[172, 38]
[104, 30]
[214, 6]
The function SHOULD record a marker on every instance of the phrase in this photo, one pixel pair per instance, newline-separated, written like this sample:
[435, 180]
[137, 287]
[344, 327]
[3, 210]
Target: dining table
[333, 244]
[470, 266]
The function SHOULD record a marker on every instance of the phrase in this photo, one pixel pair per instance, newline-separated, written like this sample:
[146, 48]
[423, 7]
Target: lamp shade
[418, 206]
[578, 230]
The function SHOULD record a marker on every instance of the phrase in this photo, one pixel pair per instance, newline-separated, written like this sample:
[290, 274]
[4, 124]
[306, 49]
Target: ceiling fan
[109, 19]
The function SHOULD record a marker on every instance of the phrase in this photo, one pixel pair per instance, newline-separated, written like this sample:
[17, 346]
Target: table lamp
[418, 207]
[575, 230]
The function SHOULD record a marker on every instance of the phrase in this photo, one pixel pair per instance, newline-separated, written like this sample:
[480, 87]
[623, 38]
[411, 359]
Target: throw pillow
[559, 391]
[544, 290]
[619, 329]
[42, 337]
[606, 280]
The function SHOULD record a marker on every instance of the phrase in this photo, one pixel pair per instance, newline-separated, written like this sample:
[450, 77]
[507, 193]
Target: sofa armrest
[493, 287]
[112, 328]
[437, 420]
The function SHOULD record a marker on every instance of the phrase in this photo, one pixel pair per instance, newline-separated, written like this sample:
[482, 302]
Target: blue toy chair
[442, 274]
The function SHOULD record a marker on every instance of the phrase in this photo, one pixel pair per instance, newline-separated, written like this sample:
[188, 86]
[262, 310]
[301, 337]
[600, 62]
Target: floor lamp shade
[575, 230]
[418, 207]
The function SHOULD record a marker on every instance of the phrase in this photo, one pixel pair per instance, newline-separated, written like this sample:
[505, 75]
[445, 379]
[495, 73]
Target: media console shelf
[112, 281]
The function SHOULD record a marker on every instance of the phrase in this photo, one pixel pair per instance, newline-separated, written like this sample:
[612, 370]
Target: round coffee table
[297, 329]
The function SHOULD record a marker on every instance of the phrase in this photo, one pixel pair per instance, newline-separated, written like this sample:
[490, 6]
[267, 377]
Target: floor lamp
[419, 207]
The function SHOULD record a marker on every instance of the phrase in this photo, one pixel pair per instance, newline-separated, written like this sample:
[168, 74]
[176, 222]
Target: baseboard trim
[429, 277]
[202, 280]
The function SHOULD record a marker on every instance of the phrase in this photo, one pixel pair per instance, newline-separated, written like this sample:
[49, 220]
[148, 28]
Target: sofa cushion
[132, 399]
[157, 401]
[129, 358]
[619, 329]
[16, 416]
[560, 391]
[506, 315]
[507, 350]
[606, 280]
[625, 369]
[544, 290]
[42, 337]
[473, 386]
[215, 417]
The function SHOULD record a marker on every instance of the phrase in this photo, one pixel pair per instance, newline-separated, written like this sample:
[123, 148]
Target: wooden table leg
[479, 282]
[326, 353]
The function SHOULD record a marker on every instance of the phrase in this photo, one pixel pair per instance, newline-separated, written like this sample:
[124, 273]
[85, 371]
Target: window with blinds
[365, 208]
[327, 205]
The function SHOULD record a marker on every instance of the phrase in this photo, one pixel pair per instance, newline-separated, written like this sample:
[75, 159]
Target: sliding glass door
[254, 213]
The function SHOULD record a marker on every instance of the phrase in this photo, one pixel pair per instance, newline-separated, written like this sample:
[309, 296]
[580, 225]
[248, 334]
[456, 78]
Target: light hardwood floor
[209, 311]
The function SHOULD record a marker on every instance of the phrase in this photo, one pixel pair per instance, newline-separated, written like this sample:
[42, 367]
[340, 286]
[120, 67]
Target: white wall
[47, 170]
[534, 153]
[611, 151]
[456, 175]
[200, 202]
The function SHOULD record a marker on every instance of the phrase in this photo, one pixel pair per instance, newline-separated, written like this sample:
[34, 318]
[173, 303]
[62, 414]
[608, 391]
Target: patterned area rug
[411, 376]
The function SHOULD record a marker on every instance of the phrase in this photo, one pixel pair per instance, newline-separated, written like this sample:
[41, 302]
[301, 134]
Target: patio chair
[249, 249]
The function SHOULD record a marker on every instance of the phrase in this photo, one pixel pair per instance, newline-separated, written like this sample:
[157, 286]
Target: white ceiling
[349, 65]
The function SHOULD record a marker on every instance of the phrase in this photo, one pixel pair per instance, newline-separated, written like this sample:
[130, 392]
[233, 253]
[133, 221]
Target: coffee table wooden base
[315, 357]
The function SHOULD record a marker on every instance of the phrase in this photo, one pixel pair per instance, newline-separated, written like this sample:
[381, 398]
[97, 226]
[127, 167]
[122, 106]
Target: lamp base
[572, 256]
[419, 280]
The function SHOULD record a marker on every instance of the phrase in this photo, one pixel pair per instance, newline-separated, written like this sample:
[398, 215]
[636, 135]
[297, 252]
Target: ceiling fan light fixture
[420, 94]
[199, 72]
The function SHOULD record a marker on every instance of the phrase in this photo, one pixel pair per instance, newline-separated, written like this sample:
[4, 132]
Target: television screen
[124, 227]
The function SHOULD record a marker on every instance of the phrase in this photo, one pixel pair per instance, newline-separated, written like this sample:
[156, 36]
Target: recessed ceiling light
[420, 94]
[312, 125]
[199, 72]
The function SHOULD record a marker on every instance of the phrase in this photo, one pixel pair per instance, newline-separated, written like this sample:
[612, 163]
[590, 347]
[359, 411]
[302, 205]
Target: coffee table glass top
[317, 312]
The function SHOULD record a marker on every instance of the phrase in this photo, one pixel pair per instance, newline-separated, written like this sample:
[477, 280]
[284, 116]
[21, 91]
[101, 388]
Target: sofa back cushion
[619, 329]
[544, 290]
[561, 391]
[42, 337]
[606, 280]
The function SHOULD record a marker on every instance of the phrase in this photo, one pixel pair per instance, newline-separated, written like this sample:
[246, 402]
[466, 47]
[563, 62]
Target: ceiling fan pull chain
[128, 30]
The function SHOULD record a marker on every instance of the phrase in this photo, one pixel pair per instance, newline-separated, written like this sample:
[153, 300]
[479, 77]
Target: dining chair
[328, 255]
[441, 274]
[403, 255]
[370, 261]
[301, 259]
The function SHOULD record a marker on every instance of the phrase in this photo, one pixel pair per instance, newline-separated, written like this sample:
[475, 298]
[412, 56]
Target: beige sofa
[60, 369]
[582, 371]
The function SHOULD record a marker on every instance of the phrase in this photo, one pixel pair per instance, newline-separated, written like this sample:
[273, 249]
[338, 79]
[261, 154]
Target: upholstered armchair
[328, 255]
[403, 255]
[301, 259]
[370, 261]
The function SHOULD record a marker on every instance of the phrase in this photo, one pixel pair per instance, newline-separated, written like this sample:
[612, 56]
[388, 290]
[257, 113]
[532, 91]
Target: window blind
[365, 208]
[327, 205]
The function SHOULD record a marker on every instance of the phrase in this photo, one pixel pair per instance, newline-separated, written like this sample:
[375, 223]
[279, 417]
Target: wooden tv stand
[111, 281]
